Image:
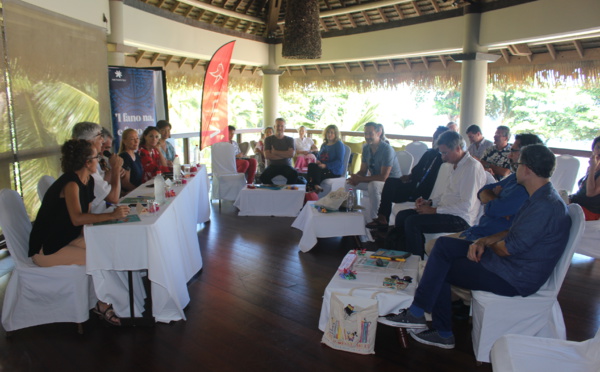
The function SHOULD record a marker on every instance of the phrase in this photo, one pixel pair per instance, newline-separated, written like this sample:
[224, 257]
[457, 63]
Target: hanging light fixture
[301, 35]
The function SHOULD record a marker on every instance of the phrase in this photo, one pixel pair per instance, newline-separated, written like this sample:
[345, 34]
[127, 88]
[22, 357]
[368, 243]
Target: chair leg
[402, 337]
[219, 205]
[80, 328]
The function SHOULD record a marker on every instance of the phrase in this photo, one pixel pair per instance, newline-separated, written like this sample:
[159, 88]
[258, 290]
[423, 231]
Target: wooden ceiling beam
[520, 50]
[289, 71]
[399, 11]
[444, 62]
[323, 25]
[327, 4]
[303, 68]
[231, 67]
[338, 23]
[168, 60]
[242, 68]
[254, 69]
[188, 11]
[222, 11]
[407, 61]
[154, 58]
[551, 51]
[160, 3]
[174, 9]
[273, 16]
[139, 55]
[392, 65]
[376, 66]
[362, 66]
[331, 67]
[182, 61]
[194, 64]
[578, 47]
[417, 9]
[367, 18]
[506, 55]
[351, 19]
[318, 69]
[382, 14]
[425, 62]
[347, 65]
[435, 5]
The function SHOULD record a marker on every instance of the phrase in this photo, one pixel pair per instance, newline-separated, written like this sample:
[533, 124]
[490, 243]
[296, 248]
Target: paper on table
[129, 218]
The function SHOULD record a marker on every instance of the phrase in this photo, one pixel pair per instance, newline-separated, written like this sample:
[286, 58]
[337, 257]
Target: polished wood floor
[255, 307]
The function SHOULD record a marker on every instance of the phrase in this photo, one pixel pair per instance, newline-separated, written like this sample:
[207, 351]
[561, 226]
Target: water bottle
[176, 170]
[350, 200]
[196, 155]
[159, 188]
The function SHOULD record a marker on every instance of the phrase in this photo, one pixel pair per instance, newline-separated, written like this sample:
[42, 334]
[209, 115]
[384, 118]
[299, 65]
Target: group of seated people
[92, 181]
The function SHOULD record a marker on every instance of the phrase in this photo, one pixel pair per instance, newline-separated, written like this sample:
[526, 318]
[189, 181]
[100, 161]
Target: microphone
[106, 153]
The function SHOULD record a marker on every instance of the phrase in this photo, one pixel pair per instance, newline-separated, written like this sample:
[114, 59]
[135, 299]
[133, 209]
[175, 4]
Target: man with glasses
[455, 209]
[514, 262]
[104, 192]
[495, 159]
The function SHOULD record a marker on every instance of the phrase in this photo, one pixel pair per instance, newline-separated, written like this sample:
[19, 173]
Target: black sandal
[108, 315]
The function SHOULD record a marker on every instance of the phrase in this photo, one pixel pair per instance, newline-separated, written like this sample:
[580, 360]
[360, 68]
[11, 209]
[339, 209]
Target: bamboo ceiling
[262, 20]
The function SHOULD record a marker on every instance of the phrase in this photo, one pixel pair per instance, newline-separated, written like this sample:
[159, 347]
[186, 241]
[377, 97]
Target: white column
[271, 75]
[115, 57]
[474, 75]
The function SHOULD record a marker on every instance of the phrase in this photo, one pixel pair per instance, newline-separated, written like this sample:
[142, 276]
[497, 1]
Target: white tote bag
[352, 324]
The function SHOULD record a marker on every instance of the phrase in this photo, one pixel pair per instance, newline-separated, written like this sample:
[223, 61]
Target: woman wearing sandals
[330, 163]
[56, 237]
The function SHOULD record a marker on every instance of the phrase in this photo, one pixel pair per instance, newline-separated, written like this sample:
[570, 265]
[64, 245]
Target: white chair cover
[416, 149]
[227, 182]
[43, 185]
[39, 295]
[535, 315]
[588, 245]
[565, 174]
[405, 161]
[335, 183]
[518, 353]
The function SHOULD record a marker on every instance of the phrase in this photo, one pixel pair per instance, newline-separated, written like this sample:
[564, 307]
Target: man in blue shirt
[510, 263]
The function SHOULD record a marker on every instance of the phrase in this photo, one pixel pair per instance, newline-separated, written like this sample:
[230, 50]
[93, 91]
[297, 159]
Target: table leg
[147, 319]
[402, 337]
[358, 242]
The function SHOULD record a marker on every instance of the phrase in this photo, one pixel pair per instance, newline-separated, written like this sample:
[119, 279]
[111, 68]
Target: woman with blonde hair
[330, 161]
[132, 162]
[304, 148]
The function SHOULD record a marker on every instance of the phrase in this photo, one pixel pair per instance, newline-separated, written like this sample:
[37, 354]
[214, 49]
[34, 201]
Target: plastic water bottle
[350, 200]
[159, 188]
[196, 155]
[177, 170]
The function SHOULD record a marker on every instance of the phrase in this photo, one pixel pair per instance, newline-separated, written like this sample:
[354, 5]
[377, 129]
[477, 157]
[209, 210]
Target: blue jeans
[413, 225]
[448, 265]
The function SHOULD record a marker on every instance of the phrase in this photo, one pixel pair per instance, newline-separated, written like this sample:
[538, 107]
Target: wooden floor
[255, 307]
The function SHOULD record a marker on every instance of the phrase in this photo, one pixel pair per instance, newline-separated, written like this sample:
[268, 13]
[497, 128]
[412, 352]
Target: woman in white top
[304, 148]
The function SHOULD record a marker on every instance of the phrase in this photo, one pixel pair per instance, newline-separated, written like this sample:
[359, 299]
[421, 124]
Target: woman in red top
[152, 159]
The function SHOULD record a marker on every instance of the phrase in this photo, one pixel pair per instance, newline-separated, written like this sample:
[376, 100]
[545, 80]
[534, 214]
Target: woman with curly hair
[56, 237]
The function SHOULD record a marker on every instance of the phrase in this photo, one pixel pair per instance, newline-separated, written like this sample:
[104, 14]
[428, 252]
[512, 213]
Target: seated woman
[165, 147]
[304, 149]
[243, 164]
[331, 158]
[152, 159]
[56, 237]
[588, 195]
[132, 162]
[260, 147]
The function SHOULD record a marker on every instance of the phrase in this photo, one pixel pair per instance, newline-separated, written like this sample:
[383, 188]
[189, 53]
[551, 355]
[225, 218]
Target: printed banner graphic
[131, 99]
[214, 121]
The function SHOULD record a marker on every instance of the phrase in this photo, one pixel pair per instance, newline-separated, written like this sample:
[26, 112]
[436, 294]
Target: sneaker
[433, 338]
[403, 320]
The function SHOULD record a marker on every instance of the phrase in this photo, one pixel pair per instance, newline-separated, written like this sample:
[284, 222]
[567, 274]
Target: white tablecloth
[368, 281]
[314, 224]
[266, 202]
[165, 243]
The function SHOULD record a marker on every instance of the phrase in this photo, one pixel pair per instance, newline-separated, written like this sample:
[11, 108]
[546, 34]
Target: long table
[165, 244]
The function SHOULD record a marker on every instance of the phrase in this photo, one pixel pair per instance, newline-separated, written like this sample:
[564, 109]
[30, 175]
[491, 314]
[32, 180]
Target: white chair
[565, 174]
[332, 184]
[535, 315]
[518, 353]
[405, 161]
[43, 185]
[39, 295]
[588, 245]
[416, 149]
[226, 181]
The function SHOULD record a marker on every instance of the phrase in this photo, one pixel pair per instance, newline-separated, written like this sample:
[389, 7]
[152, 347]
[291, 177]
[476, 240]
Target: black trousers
[274, 170]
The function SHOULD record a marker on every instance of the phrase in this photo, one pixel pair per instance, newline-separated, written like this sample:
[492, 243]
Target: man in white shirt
[455, 209]
[478, 143]
[104, 191]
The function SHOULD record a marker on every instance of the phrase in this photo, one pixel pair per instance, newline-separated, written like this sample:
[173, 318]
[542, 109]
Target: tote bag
[352, 324]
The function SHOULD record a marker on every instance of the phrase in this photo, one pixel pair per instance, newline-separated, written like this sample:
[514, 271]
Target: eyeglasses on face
[515, 150]
[94, 157]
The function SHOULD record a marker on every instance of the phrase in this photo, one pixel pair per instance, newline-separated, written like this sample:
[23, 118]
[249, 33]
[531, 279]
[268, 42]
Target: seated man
[419, 183]
[478, 144]
[378, 163]
[495, 159]
[501, 200]
[455, 209]
[243, 164]
[107, 181]
[279, 151]
[516, 262]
